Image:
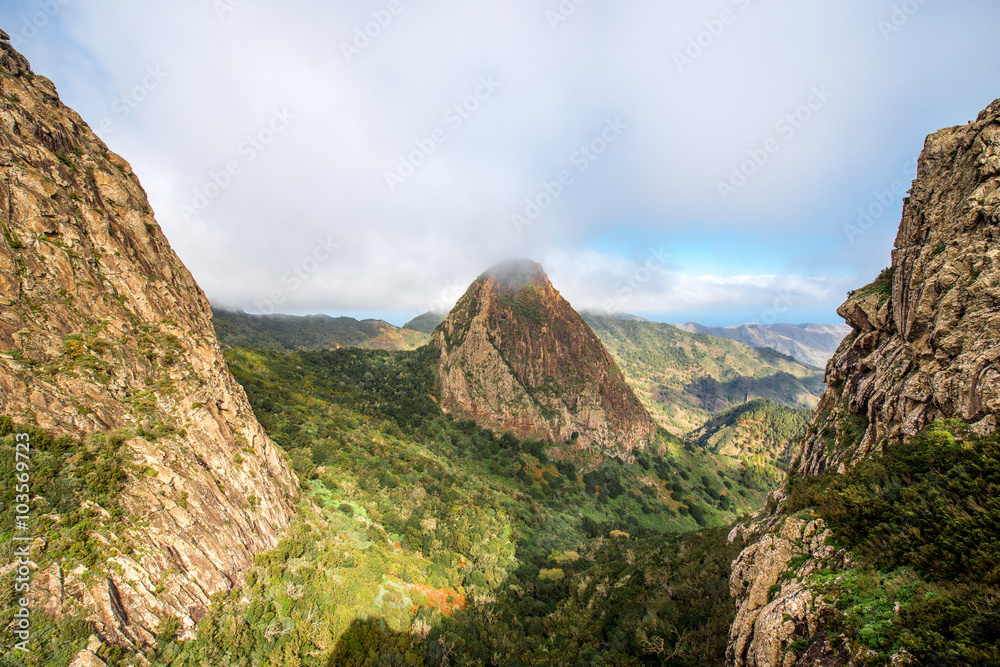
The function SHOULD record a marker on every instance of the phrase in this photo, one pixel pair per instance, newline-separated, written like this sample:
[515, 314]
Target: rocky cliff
[103, 329]
[925, 344]
[516, 357]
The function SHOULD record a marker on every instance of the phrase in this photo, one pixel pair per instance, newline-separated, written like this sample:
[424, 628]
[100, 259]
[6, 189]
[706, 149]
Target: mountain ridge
[310, 332]
[504, 348]
[107, 354]
[685, 378]
[907, 428]
[810, 343]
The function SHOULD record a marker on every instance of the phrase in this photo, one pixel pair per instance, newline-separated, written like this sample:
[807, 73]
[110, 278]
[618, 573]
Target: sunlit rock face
[925, 345]
[103, 329]
[516, 357]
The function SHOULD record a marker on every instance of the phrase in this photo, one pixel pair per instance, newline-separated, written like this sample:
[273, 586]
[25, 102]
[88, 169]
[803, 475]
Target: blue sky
[678, 160]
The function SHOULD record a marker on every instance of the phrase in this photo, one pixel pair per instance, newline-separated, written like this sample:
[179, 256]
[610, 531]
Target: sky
[720, 162]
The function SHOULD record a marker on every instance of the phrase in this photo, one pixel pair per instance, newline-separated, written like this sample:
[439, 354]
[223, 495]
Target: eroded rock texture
[103, 329]
[925, 345]
[516, 357]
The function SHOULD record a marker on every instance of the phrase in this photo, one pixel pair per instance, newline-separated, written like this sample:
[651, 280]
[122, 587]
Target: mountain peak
[513, 274]
[516, 357]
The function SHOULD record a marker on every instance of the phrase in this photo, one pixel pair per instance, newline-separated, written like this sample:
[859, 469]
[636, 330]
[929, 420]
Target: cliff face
[925, 345]
[103, 329]
[925, 341]
[516, 357]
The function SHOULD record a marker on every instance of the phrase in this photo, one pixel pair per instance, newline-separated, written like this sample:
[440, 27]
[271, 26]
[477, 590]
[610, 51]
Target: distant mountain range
[684, 378]
[811, 344]
[289, 333]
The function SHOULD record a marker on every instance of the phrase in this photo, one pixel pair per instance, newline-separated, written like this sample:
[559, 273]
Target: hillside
[426, 532]
[152, 485]
[426, 323]
[761, 433]
[516, 357]
[289, 333]
[811, 344]
[881, 546]
[684, 379]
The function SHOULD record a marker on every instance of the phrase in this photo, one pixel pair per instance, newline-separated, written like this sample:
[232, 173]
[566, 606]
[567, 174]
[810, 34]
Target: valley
[513, 483]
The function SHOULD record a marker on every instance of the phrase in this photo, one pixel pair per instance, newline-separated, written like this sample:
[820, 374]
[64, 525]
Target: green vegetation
[288, 333]
[74, 508]
[71, 482]
[663, 601]
[434, 541]
[684, 379]
[882, 286]
[425, 540]
[923, 521]
[761, 433]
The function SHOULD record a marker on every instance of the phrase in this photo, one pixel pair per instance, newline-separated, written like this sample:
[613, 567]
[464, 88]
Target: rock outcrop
[925, 344]
[103, 329]
[516, 357]
[775, 606]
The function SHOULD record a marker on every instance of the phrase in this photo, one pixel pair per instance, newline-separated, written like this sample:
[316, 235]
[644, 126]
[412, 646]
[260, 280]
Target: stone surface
[925, 344]
[88, 656]
[516, 357]
[102, 329]
[775, 606]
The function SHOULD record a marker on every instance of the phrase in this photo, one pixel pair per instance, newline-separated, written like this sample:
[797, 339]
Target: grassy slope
[760, 433]
[683, 379]
[428, 528]
[922, 520]
[287, 333]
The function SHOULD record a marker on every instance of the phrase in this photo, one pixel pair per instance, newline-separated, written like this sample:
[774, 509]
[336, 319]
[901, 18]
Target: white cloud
[651, 284]
[323, 176]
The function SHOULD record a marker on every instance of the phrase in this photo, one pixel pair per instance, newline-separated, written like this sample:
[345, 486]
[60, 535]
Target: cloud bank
[375, 157]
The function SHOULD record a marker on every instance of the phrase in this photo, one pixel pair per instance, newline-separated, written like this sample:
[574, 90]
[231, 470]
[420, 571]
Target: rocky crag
[103, 329]
[516, 357]
[925, 344]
